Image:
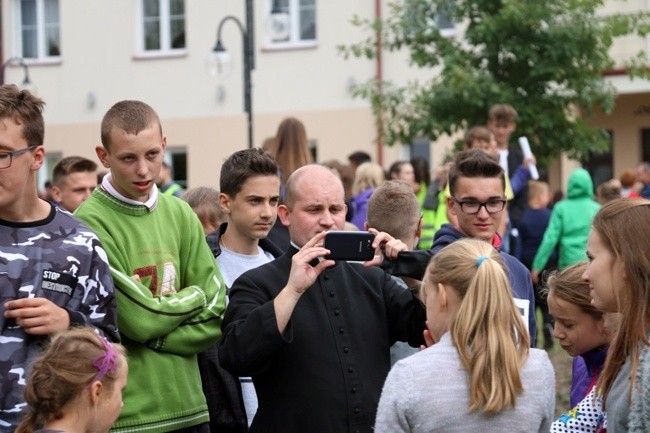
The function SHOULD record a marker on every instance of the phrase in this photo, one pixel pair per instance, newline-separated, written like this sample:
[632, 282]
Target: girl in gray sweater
[480, 374]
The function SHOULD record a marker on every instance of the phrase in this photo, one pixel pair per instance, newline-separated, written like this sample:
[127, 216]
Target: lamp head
[219, 61]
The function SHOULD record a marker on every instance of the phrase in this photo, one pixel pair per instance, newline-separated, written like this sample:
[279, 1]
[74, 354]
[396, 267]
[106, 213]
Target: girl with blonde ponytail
[480, 374]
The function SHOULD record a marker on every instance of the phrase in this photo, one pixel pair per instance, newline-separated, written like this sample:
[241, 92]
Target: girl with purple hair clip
[75, 385]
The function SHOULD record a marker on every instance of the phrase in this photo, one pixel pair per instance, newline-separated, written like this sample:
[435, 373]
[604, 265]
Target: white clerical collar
[150, 203]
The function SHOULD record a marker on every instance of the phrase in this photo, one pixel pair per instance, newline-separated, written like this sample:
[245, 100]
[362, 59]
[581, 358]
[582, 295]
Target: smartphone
[349, 245]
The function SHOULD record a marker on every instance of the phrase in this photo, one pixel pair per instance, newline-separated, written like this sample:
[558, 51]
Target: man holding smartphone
[314, 333]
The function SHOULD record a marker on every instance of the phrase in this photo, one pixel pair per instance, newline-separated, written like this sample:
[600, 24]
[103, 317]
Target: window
[600, 164]
[445, 24]
[39, 34]
[163, 26]
[645, 145]
[313, 148]
[301, 23]
[423, 18]
[177, 159]
[45, 172]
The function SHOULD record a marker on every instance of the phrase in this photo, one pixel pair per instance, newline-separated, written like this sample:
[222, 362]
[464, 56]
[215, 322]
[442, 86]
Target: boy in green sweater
[170, 296]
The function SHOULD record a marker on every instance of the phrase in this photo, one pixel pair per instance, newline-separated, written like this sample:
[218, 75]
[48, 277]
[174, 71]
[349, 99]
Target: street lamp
[21, 62]
[249, 60]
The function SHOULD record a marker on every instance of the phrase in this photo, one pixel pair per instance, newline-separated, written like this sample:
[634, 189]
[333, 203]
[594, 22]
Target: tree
[546, 58]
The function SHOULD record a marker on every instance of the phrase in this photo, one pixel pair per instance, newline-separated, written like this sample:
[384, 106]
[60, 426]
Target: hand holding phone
[349, 245]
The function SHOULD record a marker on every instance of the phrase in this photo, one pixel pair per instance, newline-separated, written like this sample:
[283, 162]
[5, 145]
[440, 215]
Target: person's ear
[224, 201]
[366, 226]
[283, 214]
[95, 391]
[39, 157]
[442, 297]
[451, 206]
[56, 194]
[164, 143]
[102, 155]
[418, 230]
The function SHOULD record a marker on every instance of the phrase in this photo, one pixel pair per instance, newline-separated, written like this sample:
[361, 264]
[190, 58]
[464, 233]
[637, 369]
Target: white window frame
[41, 42]
[165, 31]
[294, 28]
[447, 32]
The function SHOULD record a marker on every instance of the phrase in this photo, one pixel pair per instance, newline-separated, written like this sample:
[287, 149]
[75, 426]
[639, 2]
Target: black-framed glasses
[471, 207]
[6, 158]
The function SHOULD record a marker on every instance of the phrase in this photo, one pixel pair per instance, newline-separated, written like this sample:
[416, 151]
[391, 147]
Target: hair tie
[480, 260]
[107, 361]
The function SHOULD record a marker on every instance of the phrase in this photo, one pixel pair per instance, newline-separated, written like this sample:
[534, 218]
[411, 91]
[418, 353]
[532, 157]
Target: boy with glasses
[477, 200]
[53, 271]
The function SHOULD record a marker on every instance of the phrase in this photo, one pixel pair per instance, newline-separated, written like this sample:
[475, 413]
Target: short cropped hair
[393, 208]
[129, 116]
[25, 109]
[69, 165]
[474, 163]
[241, 165]
[503, 113]
[537, 190]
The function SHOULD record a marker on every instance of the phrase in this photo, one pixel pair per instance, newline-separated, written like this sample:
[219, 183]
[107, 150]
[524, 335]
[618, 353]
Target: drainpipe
[379, 76]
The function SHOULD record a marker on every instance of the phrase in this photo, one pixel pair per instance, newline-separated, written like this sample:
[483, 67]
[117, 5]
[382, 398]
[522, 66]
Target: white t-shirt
[503, 160]
[232, 265]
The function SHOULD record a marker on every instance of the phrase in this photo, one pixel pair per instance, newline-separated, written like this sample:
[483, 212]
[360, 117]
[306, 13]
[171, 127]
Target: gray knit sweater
[639, 418]
[429, 392]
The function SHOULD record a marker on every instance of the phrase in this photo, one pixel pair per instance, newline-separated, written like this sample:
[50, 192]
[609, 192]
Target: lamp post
[249, 59]
[21, 62]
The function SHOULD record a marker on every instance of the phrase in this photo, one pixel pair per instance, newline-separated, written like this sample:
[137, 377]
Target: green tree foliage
[547, 58]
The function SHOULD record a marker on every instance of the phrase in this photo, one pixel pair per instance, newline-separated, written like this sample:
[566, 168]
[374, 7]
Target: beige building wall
[204, 114]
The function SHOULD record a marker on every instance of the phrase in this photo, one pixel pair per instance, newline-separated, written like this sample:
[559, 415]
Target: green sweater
[173, 313]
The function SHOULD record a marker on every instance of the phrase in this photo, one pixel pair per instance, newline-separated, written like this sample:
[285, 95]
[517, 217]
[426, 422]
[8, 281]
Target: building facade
[85, 56]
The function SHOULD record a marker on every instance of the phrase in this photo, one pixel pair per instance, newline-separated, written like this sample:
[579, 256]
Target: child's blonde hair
[368, 175]
[492, 350]
[537, 190]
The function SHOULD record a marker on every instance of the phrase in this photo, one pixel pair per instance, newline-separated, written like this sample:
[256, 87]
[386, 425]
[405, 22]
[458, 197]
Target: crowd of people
[129, 303]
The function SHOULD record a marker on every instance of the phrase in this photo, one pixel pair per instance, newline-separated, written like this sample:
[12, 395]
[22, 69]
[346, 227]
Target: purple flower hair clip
[107, 361]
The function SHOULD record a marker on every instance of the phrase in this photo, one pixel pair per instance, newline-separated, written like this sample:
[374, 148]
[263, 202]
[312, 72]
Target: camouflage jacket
[60, 259]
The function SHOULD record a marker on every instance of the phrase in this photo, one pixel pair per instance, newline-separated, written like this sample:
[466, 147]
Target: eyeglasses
[6, 158]
[471, 207]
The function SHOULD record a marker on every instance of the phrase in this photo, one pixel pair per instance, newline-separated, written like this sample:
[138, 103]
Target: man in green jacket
[569, 225]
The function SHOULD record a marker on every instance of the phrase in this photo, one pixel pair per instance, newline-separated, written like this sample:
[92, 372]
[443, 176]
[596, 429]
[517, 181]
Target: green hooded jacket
[570, 223]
